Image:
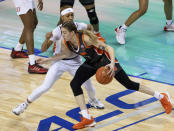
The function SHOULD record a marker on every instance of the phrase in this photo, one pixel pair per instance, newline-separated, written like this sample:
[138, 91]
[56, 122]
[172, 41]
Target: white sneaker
[120, 35]
[20, 108]
[96, 104]
[169, 27]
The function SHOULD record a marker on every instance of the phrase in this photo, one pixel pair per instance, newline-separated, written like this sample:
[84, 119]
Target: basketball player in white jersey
[57, 68]
[89, 6]
[27, 13]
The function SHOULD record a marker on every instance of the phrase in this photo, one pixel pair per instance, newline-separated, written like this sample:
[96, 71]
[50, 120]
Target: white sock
[32, 59]
[158, 95]
[18, 47]
[124, 26]
[86, 114]
[96, 32]
[168, 22]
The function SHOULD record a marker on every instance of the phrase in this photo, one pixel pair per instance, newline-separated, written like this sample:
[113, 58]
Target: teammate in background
[89, 5]
[143, 6]
[27, 13]
[97, 54]
[70, 64]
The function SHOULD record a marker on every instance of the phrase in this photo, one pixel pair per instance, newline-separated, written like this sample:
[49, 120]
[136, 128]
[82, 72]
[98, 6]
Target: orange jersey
[92, 54]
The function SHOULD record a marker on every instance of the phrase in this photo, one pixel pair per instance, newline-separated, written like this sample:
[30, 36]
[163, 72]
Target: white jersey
[22, 6]
[59, 67]
[57, 36]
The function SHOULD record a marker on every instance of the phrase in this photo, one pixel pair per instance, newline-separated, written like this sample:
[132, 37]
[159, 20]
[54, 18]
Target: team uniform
[26, 11]
[22, 6]
[95, 58]
[57, 69]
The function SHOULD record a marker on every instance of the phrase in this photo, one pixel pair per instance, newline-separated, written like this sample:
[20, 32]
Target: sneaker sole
[18, 57]
[15, 113]
[96, 107]
[169, 30]
[91, 125]
[31, 72]
[169, 100]
[169, 97]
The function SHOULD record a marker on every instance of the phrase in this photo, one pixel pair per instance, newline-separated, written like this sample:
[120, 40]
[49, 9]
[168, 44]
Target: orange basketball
[102, 76]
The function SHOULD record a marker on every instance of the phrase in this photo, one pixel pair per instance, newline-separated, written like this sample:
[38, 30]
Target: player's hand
[110, 67]
[48, 35]
[40, 5]
[41, 61]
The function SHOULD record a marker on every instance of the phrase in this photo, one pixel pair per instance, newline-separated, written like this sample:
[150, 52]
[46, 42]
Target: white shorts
[22, 6]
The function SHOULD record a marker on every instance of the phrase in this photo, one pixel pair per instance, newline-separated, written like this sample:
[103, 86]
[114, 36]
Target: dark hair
[61, 9]
[70, 26]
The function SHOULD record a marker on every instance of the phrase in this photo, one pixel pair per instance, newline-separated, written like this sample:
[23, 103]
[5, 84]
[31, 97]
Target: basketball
[102, 76]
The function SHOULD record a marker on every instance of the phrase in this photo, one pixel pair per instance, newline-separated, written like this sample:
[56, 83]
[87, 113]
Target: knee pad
[66, 2]
[76, 88]
[92, 16]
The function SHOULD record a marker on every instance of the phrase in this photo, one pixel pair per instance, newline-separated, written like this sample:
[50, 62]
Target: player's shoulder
[79, 23]
[57, 30]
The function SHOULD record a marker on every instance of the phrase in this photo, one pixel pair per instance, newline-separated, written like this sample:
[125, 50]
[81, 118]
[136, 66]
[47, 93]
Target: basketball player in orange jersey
[97, 54]
[27, 13]
[90, 9]
[143, 5]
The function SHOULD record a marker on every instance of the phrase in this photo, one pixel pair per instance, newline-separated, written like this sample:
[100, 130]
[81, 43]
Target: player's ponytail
[91, 35]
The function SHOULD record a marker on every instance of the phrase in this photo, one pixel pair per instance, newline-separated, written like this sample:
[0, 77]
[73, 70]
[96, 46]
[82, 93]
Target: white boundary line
[125, 117]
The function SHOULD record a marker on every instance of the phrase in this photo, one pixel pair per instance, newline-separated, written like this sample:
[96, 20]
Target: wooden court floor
[17, 84]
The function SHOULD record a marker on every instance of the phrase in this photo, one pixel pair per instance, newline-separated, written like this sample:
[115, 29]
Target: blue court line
[153, 80]
[2, 0]
[139, 121]
[138, 76]
[5, 48]
[142, 74]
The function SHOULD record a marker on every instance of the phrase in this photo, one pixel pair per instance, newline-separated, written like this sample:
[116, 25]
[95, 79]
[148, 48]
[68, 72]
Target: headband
[66, 11]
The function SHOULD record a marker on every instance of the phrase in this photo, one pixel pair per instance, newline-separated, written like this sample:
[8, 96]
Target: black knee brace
[66, 2]
[92, 16]
[76, 88]
[86, 2]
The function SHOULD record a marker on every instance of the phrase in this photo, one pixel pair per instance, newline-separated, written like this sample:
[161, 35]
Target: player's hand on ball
[110, 67]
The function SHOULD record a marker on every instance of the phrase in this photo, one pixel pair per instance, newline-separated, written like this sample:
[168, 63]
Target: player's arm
[90, 27]
[65, 53]
[101, 45]
[47, 43]
[40, 5]
[51, 37]
[83, 26]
